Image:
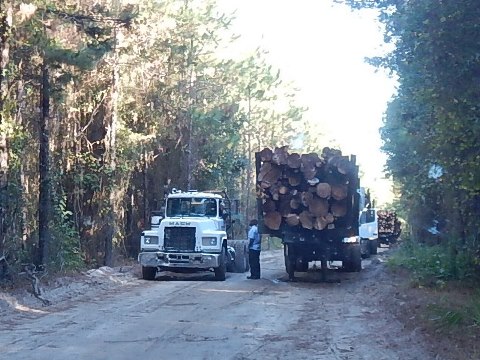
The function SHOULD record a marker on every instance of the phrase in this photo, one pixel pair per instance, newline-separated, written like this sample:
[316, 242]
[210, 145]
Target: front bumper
[179, 260]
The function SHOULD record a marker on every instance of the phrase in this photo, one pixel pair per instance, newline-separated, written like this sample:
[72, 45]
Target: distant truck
[389, 227]
[368, 231]
[368, 224]
[194, 233]
[310, 202]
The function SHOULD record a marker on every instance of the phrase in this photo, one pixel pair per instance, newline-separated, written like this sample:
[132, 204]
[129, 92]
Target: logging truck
[311, 202]
[194, 234]
[389, 227]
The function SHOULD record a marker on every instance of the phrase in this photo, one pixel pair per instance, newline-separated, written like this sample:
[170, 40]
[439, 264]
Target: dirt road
[194, 317]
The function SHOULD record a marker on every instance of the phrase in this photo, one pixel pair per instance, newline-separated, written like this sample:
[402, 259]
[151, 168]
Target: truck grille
[179, 239]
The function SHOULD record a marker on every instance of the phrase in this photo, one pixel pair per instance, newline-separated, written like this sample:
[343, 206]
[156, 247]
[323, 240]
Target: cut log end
[339, 192]
[294, 161]
[324, 190]
[318, 207]
[306, 220]
[292, 219]
[280, 155]
[273, 220]
[339, 209]
[266, 154]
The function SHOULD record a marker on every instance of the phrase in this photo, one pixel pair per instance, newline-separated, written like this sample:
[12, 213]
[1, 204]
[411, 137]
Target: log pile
[387, 221]
[310, 191]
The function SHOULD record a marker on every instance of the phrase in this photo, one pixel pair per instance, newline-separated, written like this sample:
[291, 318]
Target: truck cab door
[368, 224]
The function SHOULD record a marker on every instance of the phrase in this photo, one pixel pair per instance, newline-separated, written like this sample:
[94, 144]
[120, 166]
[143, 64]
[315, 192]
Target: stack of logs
[307, 190]
[386, 221]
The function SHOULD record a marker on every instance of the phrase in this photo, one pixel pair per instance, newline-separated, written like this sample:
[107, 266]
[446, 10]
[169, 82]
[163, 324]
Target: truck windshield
[197, 207]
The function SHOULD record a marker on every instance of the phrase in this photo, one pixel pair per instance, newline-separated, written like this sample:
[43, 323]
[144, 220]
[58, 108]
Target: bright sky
[321, 47]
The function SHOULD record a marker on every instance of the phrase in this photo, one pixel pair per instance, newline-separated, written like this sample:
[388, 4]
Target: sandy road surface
[194, 317]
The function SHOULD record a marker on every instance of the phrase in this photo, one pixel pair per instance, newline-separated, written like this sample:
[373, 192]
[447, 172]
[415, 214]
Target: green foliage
[181, 111]
[271, 243]
[84, 59]
[216, 134]
[64, 249]
[89, 172]
[432, 123]
[474, 309]
[446, 318]
[434, 265]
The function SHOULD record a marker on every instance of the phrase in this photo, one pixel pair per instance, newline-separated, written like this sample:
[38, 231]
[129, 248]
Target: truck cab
[192, 236]
[368, 231]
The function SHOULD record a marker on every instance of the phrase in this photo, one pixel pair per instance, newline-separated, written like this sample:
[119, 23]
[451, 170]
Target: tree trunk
[5, 24]
[44, 201]
[146, 189]
[249, 165]
[192, 151]
[111, 157]
[19, 121]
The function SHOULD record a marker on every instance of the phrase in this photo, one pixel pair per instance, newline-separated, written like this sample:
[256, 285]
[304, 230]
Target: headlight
[209, 241]
[351, 240]
[148, 240]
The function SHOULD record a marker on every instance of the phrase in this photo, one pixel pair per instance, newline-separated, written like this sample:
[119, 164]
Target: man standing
[254, 248]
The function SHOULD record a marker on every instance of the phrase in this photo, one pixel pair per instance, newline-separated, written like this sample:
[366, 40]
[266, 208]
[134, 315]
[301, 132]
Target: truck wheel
[301, 265]
[247, 256]
[231, 256]
[373, 246]
[240, 265]
[221, 271]
[353, 261]
[364, 248]
[149, 273]
[289, 263]
[356, 259]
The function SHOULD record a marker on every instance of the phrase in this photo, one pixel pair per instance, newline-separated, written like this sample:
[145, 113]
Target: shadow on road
[315, 276]
[168, 276]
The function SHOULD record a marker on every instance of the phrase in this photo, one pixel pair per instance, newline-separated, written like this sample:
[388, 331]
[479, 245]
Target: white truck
[195, 234]
[367, 225]
[368, 232]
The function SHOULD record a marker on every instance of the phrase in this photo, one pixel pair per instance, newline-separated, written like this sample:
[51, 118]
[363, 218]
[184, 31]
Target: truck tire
[149, 273]
[221, 271]
[241, 254]
[231, 258]
[301, 265]
[373, 246]
[289, 263]
[353, 261]
[231, 267]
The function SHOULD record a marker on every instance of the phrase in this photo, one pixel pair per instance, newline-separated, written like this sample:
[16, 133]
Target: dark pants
[254, 257]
